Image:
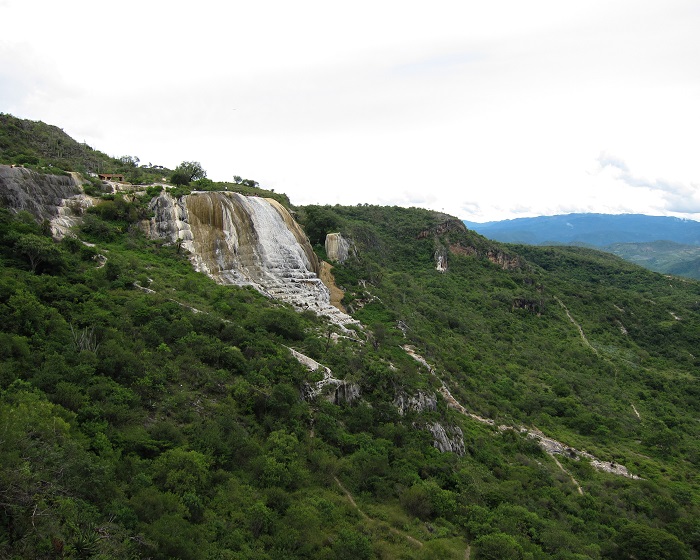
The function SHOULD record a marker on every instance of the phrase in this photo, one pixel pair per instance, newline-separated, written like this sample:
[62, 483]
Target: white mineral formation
[551, 446]
[246, 241]
[335, 390]
[418, 403]
[447, 438]
[337, 247]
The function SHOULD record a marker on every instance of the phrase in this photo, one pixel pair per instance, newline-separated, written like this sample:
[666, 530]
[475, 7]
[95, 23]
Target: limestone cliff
[447, 438]
[55, 198]
[419, 403]
[337, 247]
[245, 240]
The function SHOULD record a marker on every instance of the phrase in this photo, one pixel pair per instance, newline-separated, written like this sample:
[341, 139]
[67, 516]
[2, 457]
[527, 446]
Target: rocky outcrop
[441, 259]
[495, 255]
[337, 247]
[55, 198]
[346, 393]
[447, 438]
[334, 390]
[504, 260]
[554, 447]
[549, 445]
[336, 294]
[245, 241]
[421, 402]
[535, 306]
[443, 228]
[40, 195]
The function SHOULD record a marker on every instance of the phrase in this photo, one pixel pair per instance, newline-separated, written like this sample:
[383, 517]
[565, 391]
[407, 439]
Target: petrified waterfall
[245, 240]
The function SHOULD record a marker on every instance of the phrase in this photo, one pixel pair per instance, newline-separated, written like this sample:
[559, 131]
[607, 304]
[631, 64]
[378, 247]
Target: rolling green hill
[661, 256]
[147, 412]
[48, 149]
[659, 243]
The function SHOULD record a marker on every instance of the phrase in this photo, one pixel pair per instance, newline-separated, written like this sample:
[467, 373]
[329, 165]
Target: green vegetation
[497, 334]
[47, 149]
[146, 412]
[135, 427]
[187, 172]
[661, 256]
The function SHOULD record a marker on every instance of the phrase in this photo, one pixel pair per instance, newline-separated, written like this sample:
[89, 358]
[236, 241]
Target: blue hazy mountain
[599, 230]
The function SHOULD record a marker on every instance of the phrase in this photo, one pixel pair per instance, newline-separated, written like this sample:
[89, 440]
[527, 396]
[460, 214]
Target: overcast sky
[487, 110]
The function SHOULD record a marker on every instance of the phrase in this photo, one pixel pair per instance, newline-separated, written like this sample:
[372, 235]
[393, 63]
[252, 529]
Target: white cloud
[677, 197]
[491, 110]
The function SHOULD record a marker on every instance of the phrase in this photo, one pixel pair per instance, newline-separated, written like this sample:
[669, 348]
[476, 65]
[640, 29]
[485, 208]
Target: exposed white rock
[549, 445]
[337, 247]
[346, 393]
[246, 241]
[447, 438]
[441, 264]
[554, 447]
[441, 260]
[335, 390]
[418, 403]
[69, 214]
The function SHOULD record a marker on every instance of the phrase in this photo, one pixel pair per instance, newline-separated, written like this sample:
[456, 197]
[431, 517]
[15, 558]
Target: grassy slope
[530, 366]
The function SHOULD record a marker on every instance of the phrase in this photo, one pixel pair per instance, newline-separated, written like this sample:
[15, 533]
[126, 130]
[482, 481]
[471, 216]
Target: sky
[484, 110]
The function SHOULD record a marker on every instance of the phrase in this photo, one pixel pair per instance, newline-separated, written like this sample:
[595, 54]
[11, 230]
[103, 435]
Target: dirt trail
[326, 276]
[567, 473]
[580, 330]
[551, 446]
[366, 517]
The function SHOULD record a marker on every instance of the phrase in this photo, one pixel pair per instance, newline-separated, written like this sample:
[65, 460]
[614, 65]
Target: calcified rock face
[41, 195]
[334, 390]
[57, 198]
[245, 240]
[337, 247]
[447, 438]
[441, 260]
[421, 402]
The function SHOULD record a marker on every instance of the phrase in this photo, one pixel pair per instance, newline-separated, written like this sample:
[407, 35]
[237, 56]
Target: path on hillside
[551, 446]
[567, 473]
[580, 330]
[99, 258]
[313, 365]
[366, 517]
[636, 411]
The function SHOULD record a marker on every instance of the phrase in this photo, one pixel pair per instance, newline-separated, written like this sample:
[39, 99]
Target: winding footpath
[580, 330]
[551, 446]
[366, 517]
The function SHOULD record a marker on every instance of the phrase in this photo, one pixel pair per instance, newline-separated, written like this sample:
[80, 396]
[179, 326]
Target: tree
[641, 542]
[317, 222]
[129, 161]
[38, 250]
[497, 546]
[181, 471]
[187, 172]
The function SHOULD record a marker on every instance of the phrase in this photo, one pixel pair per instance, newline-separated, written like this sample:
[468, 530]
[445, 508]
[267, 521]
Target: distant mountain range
[660, 243]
